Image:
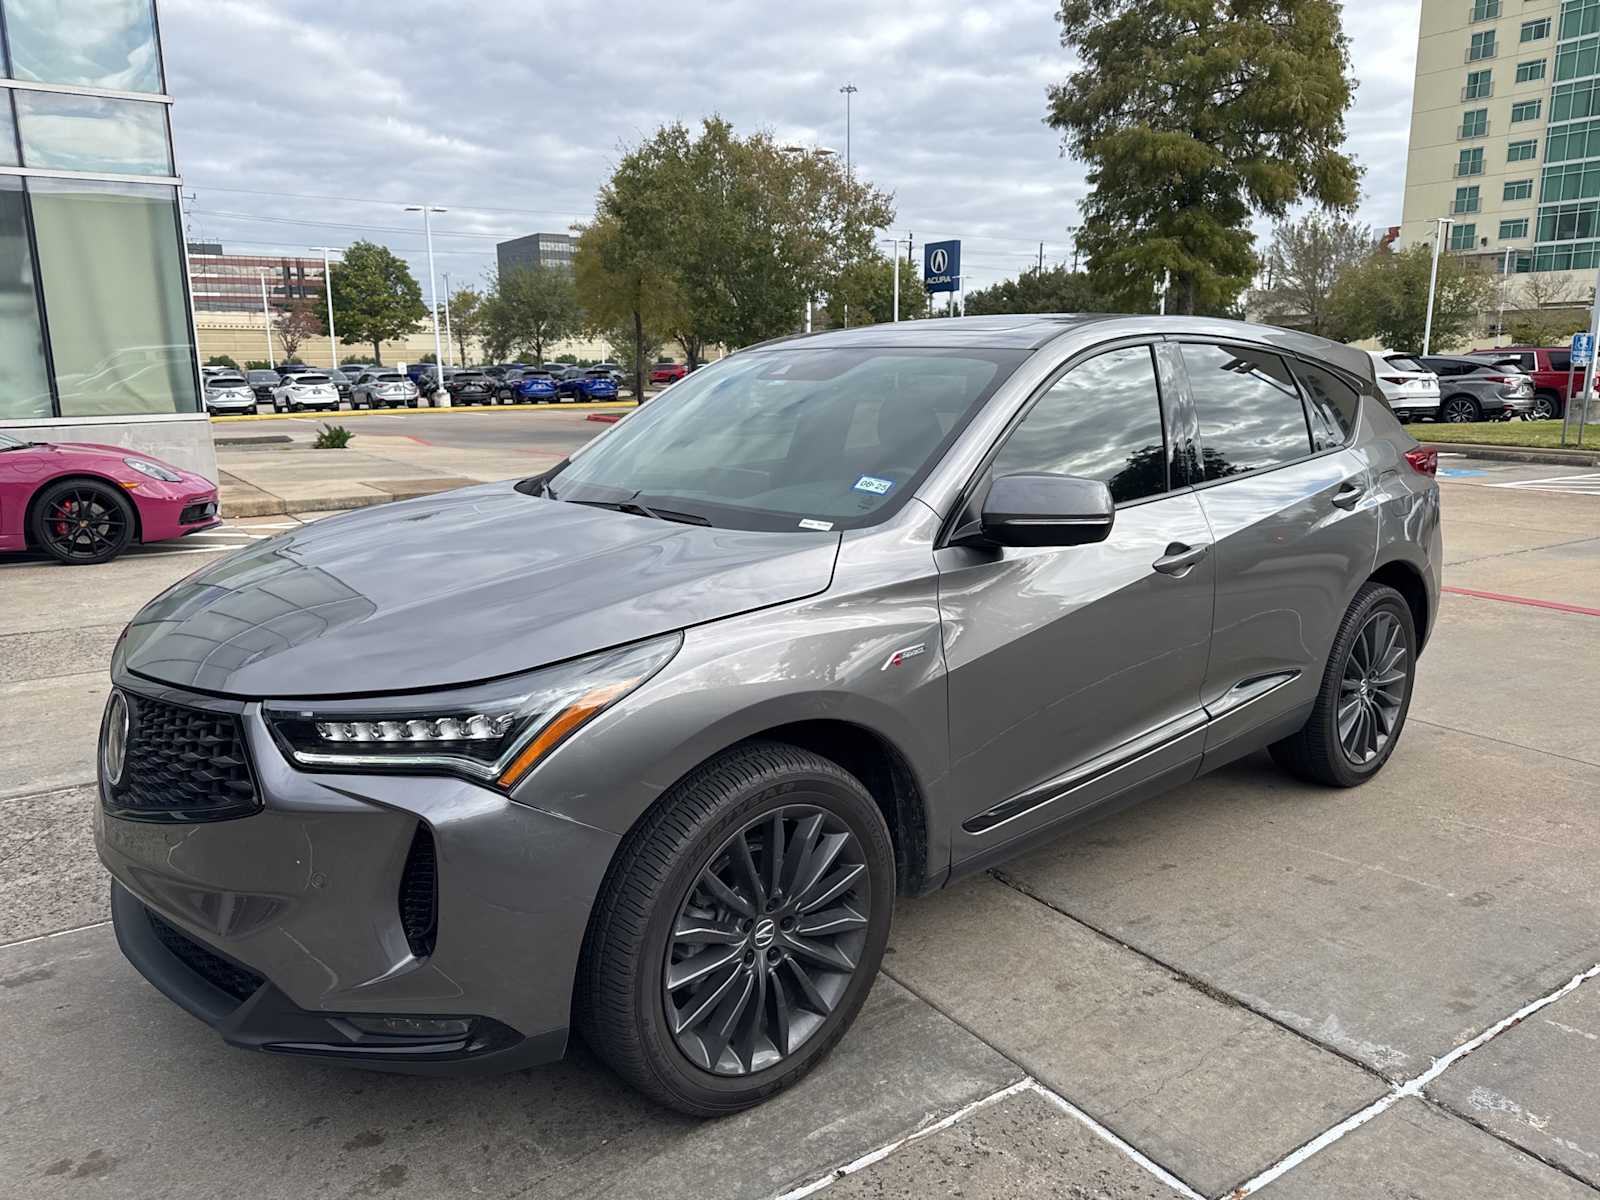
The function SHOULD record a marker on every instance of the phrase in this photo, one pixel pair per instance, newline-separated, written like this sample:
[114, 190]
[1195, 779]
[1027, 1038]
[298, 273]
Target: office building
[537, 250]
[96, 336]
[223, 282]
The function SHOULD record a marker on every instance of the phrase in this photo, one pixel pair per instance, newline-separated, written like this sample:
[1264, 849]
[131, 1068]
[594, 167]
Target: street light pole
[449, 341]
[894, 261]
[849, 90]
[427, 212]
[327, 291]
[266, 316]
[1443, 224]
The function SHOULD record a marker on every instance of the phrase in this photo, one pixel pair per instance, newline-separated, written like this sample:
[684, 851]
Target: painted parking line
[1555, 605]
[1565, 485]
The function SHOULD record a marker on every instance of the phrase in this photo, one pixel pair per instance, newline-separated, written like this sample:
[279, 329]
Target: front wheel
[738, 930]
[82, 522]
[1361, 707]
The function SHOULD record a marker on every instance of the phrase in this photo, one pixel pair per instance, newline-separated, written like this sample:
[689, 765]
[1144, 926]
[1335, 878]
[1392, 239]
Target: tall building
[536, 250]
[96, 336]
[1505, 134]
[223, 282]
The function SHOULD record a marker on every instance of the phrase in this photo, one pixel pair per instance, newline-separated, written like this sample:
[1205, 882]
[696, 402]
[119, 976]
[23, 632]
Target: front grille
[238, 982]
[193, 514]
[419, 894]
[183, 764]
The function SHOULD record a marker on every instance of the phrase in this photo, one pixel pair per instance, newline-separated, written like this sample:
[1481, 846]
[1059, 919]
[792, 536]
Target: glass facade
[94, 304]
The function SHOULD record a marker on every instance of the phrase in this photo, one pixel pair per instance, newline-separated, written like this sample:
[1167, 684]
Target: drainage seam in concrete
[1026, 1084]
[1486, 737]
[1411, 1087]
[1525, 550]
[1207, 989]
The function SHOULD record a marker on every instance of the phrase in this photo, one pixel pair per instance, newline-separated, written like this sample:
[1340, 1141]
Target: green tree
[1051, 290]
[467, 313]
[1304, 259]
[867, 287]
[222, 360]
[1192, 116]
[1386, 297]
[375, 297]
[529, 308]
[623, 284]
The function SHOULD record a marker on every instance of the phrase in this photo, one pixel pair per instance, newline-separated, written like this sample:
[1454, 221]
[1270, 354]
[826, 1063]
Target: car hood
[454, 589]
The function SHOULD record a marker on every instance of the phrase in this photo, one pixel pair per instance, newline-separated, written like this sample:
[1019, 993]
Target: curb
[605, 418]
[276, 506]
[340, 414]
[1518, 454]
[265, 439]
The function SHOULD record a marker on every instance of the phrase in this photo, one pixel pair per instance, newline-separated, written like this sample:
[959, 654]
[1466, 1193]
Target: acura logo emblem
[764, 935]
[114, 739]
[939, 261]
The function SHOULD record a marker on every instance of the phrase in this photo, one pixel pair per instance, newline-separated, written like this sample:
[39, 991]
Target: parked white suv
[1410, 388]
[383, 389]
[308, 389]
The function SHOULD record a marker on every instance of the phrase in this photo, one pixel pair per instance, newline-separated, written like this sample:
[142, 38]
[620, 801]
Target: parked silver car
[383, 389]
[648, 743]
[1479, 389]
[227, 393]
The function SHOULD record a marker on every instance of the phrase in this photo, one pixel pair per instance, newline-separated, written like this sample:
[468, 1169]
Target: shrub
[332, 437]
[222, 360]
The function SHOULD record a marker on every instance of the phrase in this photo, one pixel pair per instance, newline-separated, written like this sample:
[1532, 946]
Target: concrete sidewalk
[276, 478]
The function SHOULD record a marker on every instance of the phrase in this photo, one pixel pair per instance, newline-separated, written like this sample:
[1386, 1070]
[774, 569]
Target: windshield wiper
[635, 508]
[18, 446]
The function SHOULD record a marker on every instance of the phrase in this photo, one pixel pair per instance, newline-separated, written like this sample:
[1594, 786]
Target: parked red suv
[1548, 366]
[668, 372]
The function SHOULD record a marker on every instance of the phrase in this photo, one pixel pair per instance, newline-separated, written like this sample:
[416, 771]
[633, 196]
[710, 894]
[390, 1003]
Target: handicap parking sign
[1582, 349]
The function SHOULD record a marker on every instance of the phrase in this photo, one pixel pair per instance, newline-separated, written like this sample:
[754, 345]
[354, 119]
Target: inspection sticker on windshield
[823, 526]
[871, 483]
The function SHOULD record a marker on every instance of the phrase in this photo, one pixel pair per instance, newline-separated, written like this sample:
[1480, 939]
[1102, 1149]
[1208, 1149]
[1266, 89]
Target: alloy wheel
[84, 523]
[1372, 688]
[767, 941]
[1460, 411]
[1543, 408]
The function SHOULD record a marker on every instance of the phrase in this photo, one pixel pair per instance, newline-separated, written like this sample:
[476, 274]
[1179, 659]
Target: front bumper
[173, 510]
[306, 895]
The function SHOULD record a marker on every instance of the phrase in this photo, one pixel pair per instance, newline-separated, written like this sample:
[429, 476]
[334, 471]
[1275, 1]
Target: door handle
[1349, 492]
[1179, 558]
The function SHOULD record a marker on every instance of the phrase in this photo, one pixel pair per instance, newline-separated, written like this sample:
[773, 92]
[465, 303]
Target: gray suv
[646, 746]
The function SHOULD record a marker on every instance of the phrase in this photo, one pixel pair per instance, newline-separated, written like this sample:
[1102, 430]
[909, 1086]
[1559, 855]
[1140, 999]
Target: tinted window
[1102, 420]
[1560, 360]
[1249, 410]
[1447, 366]
[1332, 405]
[1401, 363]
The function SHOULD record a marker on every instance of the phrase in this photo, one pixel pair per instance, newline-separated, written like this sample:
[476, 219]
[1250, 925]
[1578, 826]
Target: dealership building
[97, 339]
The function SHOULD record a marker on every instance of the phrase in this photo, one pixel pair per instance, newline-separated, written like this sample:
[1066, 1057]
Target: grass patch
[333, 437]
[1535, 435]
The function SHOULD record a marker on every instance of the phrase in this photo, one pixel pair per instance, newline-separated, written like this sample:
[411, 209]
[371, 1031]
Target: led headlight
[495, 731]
[153, 470]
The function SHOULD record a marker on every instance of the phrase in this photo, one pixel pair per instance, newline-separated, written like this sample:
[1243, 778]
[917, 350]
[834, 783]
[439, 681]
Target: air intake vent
[419, 894]
[221, 974]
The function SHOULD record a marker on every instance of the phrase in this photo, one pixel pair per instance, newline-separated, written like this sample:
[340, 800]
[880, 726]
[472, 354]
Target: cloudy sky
[303, 123]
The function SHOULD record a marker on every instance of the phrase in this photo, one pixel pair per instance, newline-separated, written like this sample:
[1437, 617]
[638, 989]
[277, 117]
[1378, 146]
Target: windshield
[263, 377]
[224, 381]
[391, 379]
[1401, 363]
[804, 438]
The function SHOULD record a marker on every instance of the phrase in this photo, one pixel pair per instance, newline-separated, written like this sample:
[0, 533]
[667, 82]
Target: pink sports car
[87, 504]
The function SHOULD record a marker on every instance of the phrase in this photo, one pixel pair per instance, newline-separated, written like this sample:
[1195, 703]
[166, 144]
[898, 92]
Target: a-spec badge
[899, 657]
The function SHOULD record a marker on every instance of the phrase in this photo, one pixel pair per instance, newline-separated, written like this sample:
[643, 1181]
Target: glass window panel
[1462, 237]
[1102, 420]
[91, 43]
[1532, 31]
[1333, 405]
[1514, 229]
[1249, 410]
[113, 286]
[1522, 151]
[1529, 71]
[1525, 110]
[24, 382]
[1518, 189]
[8, 132]
[88, 133]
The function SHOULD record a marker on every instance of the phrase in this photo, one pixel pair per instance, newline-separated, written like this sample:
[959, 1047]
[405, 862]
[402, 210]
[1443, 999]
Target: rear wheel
[1365, 695]
[1459, 410]
[81, 522]
[739, 930]
[1546, 406]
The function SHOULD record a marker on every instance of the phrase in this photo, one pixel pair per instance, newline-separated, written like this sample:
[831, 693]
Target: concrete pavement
[1187, 993]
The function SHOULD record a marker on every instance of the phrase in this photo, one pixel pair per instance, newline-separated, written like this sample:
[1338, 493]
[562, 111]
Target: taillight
[1424, 460]
[1398, 380]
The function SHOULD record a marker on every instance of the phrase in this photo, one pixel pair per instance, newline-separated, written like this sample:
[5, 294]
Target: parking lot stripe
[1411, 1087]
[1111, 1139]
[1557, 605]
[45, 937]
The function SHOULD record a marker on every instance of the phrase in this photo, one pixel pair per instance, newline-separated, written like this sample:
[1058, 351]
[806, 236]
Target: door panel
[1058, 657]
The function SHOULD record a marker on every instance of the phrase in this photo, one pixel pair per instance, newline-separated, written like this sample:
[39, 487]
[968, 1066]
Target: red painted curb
[1554, 604]
[605, 418]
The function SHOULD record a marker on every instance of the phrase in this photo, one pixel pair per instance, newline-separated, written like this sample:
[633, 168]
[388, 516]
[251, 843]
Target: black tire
[81, 522]
[624, 987]
[1546, 407]
[1317, 753]
[1459, 410]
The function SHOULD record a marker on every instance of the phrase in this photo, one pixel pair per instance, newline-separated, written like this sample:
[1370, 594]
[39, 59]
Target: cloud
[512, 114]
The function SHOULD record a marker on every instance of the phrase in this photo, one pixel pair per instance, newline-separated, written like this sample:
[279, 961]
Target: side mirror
[1042, 510]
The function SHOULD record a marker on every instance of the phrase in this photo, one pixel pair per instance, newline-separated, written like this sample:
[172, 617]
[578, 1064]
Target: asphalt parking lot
[1248, 984]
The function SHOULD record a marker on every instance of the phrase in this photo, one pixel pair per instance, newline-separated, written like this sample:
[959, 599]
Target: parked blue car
[535, 386]
[591, 385]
